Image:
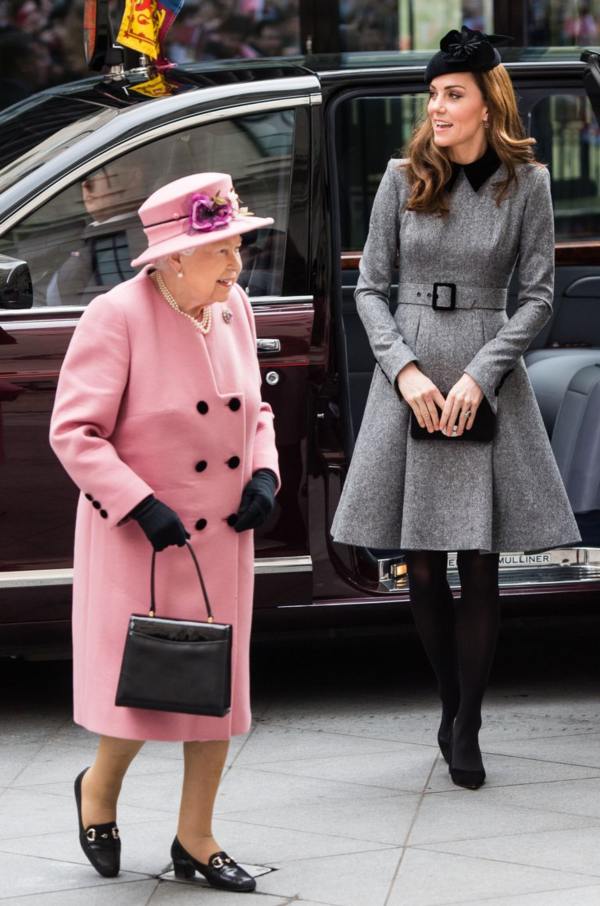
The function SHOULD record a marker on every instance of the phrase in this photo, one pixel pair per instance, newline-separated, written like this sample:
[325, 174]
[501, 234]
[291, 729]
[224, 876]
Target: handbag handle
[152, 612]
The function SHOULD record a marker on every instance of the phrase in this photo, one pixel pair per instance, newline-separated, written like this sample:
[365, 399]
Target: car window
[81, 242]
[563, 124]
[369, 130]
[40, 126]
[568, 140]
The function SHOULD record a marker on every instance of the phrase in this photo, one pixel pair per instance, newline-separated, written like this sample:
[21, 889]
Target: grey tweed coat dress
[505, 495]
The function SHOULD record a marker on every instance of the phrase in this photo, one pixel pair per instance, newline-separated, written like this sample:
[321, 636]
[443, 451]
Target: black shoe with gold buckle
[100, 842]
[221, 871]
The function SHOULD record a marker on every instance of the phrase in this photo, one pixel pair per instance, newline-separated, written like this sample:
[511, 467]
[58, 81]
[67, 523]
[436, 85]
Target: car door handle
[268, 346]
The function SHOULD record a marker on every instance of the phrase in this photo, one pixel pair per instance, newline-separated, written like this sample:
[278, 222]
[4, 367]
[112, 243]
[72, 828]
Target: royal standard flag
[145, 24]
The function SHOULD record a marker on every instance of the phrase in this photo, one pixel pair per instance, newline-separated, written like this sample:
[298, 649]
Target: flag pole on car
[143, 27]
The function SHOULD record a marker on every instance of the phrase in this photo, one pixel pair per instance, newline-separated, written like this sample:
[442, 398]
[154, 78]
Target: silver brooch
[227, 315]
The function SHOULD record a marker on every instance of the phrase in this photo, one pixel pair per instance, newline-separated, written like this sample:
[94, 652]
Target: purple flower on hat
[209, 212]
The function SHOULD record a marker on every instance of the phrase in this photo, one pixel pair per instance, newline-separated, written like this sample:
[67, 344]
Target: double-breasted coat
[449, 494]
[147, 404]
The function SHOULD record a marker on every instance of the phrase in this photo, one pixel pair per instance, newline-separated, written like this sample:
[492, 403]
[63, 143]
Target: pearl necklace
[203, 324]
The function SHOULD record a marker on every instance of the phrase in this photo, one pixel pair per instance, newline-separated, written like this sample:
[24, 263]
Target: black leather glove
[258, 499]
[161, 525]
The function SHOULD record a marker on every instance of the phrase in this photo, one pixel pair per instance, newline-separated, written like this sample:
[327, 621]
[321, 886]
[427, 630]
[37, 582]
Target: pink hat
[192, 211]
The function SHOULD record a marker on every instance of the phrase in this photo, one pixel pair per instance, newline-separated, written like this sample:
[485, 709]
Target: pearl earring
[179, 274]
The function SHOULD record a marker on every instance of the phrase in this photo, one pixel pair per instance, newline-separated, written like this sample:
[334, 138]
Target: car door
[78, 236]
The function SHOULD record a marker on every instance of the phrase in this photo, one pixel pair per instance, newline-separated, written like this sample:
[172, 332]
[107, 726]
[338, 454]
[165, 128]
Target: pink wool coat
[146, 404]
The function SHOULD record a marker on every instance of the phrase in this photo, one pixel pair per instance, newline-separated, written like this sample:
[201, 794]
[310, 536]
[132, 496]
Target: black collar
[477, 172]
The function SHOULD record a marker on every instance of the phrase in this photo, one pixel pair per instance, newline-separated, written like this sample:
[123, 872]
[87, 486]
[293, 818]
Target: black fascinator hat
[466, 51]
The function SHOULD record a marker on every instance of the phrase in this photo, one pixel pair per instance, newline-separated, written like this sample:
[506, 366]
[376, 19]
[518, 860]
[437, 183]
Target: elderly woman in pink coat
[159, 421]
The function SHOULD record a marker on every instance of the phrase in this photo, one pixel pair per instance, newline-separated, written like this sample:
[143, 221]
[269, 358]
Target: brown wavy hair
[429, 168]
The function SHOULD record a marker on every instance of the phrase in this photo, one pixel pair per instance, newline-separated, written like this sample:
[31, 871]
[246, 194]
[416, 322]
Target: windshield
[33, 133]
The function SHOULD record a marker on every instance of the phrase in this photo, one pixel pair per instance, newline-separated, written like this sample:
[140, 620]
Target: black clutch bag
[176, 665]
[482, 430]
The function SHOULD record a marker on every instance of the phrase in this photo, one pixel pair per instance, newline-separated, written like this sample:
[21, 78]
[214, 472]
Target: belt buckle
[434, 302]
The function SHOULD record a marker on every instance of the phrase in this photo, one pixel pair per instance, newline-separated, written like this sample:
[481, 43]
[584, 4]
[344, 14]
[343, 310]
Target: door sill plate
[560, 566]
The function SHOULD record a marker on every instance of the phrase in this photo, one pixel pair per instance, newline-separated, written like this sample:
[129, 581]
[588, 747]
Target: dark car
[306, 142]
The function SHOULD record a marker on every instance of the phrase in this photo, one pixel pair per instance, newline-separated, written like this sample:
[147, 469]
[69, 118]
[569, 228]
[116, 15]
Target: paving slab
[246, 789]
[270, 745]
[573, 797]
[337, 880]
[15, 758]
[438, 879]
[568, 850]
[580, 896]
[55, 762]
[169, 893]
[582, 749]
[123, 893]
[479, 814]
[403, 768]
[385, 820]
[24, 875]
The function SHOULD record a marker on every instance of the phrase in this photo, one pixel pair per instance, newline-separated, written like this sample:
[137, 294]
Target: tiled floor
[338, 786]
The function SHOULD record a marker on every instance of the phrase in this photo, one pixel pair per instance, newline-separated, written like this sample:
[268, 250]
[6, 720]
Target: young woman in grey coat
[467, 204]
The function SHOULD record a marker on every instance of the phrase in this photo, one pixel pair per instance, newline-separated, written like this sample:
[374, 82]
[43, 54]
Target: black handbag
[482, 429]
[176, 665]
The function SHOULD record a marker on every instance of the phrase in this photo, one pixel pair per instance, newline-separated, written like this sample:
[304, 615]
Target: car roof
[96, 89]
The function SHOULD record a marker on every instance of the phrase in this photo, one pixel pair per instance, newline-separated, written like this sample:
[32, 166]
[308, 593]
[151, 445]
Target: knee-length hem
[506, 495]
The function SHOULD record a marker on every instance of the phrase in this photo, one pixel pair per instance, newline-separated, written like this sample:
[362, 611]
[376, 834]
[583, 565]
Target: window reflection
[81, 242]
[568, 139]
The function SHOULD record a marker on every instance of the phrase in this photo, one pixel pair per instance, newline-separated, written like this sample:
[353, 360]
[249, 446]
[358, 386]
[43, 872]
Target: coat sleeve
[376, 267]
[265, 451]
[535, 294]
[88, 397]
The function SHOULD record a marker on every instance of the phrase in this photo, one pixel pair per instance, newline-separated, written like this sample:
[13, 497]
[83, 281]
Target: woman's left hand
[258, 499]
[465, 396]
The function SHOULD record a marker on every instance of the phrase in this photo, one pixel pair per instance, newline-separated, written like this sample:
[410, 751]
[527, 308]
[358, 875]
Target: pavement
[338, 791]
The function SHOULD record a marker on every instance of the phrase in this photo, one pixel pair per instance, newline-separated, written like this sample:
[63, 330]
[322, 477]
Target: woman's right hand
[161, 525]
[422, 395]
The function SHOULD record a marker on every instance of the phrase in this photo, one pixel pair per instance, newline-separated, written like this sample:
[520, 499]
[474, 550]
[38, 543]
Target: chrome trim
[419, 68]
[13, 315]
[30, 578]
[559, 566]
[117, 149]
[264, 565]
[268, 345]
[277, 300]
[37, 325]
[43, 310]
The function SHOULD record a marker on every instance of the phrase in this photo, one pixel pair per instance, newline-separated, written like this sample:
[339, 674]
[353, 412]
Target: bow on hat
[466, 51]
[472, 46]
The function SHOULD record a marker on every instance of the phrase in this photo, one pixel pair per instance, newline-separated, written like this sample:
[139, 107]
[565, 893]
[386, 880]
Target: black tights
[459, 639]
